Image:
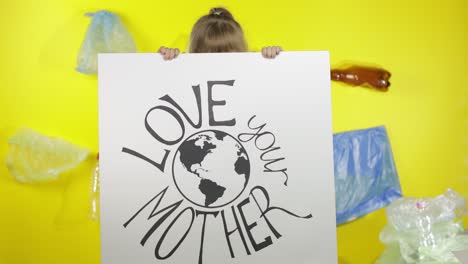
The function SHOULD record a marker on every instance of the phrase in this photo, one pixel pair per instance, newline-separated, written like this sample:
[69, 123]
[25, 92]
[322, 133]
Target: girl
[217, 32]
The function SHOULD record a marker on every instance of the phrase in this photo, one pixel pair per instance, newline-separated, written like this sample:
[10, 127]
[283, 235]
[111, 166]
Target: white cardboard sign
[216, 158]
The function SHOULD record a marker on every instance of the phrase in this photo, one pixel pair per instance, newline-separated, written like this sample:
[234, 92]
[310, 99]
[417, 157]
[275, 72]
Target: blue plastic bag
[366, 178]
[106, 34]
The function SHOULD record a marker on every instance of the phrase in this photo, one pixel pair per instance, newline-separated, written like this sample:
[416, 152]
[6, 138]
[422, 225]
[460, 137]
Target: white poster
[216, 158]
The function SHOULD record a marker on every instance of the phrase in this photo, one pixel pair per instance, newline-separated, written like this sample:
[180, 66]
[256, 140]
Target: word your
[265, 147]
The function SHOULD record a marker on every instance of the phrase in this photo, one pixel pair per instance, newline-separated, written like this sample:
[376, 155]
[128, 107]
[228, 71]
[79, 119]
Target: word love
[181, 125]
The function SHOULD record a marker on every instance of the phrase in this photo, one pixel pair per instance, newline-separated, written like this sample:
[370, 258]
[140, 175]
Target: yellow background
[423, 43]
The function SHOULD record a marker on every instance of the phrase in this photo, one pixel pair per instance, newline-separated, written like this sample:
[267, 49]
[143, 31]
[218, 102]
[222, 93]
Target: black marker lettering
[158, 246]
[212, 103]
[271, 161]
[229, 233]
[170, 209]
[246, 137]
[248, 228]
[160, 165]
[268, 209]
[250, 136]
[176, 117]
[196, 91]
[215, 214]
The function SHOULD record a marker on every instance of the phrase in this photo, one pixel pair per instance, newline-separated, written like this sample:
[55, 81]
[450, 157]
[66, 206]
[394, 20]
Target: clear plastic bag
[366, 178]
[94, 201]
[33, 157]
[106, 34]
[424, 230]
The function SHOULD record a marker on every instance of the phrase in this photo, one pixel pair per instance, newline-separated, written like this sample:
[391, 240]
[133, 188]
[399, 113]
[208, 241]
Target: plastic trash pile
[424, 231]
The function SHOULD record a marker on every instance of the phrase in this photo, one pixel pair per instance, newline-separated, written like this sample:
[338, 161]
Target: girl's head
[217, 32]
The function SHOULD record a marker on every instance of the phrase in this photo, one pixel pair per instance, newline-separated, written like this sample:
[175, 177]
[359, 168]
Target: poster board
[216, 158]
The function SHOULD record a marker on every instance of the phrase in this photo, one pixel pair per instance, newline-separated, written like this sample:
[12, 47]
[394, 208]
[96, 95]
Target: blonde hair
[217, 32]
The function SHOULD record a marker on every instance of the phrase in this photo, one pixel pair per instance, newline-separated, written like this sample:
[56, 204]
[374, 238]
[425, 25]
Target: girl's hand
[168, 53]
[271, 52]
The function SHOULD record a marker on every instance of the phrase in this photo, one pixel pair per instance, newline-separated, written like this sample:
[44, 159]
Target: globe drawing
[211, 169]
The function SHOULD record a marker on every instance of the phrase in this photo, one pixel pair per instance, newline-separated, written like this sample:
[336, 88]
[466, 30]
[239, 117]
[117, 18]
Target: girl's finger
[278, 50]
[177, 52]
[270, 52]
[264, 52]
[167, 54]
[171, 54]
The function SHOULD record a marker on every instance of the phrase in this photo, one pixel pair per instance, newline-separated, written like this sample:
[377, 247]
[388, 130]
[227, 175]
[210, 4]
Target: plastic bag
[106, 34]
[366, 178]
[94, 201]
[33, 157]
[424, 230]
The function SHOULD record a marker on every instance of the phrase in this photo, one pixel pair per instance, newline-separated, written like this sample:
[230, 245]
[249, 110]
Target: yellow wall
[423, 43]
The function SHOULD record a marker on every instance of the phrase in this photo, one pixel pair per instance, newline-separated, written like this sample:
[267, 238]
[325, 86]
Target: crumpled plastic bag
[106, 34]
[33, 157]
[366, 178]
[424, 230]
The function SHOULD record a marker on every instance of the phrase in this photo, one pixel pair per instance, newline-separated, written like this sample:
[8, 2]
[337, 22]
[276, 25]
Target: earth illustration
[211, 169]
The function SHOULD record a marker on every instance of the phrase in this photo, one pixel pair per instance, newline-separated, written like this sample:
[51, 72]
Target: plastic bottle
[363, 76]
[94, 193]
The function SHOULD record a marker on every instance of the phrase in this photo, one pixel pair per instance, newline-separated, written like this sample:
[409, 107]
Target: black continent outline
[173, 173]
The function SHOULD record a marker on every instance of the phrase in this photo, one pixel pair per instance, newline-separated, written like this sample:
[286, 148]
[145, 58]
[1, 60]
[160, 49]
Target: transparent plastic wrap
[33, 157]
[106, 34]
[94, 200]
[366, 178]
[424, 230]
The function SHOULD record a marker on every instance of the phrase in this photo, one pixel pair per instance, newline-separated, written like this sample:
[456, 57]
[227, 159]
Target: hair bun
[222, 12]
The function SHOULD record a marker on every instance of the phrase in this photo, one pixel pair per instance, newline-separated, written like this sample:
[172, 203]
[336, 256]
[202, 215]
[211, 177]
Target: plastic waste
[106, 34]
[366, 178]
[94, 208]
[424, 230]
[33, 157]
[363, 76]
